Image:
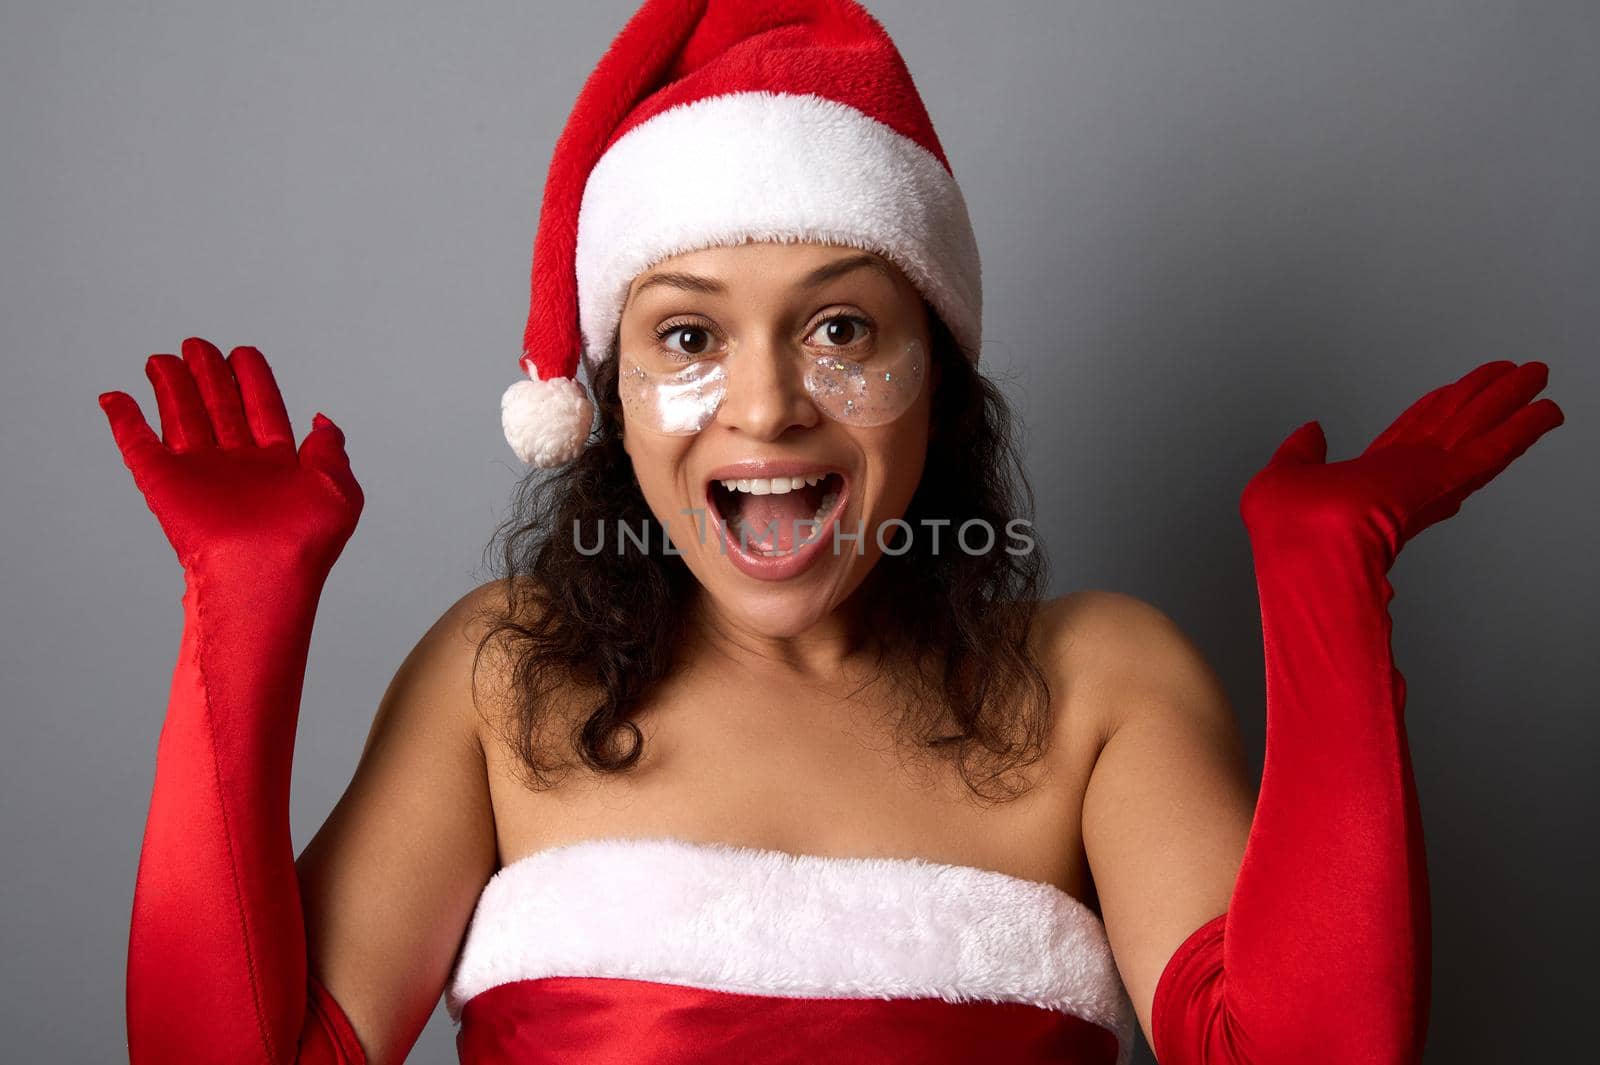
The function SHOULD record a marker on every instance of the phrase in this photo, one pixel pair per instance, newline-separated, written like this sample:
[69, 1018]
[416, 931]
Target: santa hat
[714, 122]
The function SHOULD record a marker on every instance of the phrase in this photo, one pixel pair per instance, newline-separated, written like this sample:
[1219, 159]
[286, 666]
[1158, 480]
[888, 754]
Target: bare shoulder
[453, 674]
[1129, 658]
[492, 635]
[469, 649]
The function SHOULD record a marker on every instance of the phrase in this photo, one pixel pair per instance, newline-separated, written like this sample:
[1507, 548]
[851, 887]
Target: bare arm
[390, 880]
[1168, 806]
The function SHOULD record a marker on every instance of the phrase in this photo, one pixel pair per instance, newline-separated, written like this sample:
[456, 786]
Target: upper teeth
[775, 486]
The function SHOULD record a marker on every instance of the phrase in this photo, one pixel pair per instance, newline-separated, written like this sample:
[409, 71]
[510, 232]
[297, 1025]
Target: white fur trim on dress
[766, 922]
[546, 422]
[771, 167]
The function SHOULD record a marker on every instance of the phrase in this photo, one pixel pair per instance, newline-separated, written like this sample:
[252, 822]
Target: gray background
[1202, 223]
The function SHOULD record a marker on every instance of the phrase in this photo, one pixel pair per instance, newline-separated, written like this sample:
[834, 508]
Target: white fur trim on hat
[767, 922]
[772, 167]
[546, 422]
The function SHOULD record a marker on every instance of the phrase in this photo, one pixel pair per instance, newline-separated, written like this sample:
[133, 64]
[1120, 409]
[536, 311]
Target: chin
[778, 611]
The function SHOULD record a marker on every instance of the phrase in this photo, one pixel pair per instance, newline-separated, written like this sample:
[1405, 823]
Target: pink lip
[784, 566]
[752, 468]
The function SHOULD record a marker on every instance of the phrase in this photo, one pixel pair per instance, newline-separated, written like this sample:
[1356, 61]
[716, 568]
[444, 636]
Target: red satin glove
[217, 966]
[1324, 954]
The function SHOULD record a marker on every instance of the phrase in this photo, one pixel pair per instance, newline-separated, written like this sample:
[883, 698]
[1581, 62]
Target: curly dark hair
[584, 626]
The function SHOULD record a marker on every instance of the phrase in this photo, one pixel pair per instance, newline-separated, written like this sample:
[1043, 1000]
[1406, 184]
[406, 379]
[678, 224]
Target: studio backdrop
[1201, 225]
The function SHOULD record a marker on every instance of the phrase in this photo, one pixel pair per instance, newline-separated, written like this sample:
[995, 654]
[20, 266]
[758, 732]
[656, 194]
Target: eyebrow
[711, 286]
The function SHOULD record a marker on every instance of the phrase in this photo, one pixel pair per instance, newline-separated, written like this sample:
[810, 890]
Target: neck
[836, 647]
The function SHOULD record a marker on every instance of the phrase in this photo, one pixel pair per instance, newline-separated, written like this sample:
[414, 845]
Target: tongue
[769, 521]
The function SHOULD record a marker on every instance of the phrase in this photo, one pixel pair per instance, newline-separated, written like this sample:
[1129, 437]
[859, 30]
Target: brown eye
[694, 340]
[842, 330]
[698, 341]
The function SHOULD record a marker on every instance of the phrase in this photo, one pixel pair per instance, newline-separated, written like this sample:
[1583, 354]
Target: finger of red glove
[323, 449]
[1424, 416]
[1493, 451]
[1494, 404]
[218, 391]
[133, 435]
[263, 401]
[1486, 457]
[1305, 444]
[185, 425]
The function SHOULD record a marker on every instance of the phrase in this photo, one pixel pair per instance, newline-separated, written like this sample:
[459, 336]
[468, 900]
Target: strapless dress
[659, 951]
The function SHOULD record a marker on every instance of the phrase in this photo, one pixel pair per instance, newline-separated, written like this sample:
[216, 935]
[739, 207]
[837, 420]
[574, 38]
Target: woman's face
[765, 326]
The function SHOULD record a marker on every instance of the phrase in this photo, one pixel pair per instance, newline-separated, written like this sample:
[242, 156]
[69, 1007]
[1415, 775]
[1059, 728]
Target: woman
[816, 776]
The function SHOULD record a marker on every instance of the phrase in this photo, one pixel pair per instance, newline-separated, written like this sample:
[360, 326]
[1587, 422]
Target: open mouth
[776, 516]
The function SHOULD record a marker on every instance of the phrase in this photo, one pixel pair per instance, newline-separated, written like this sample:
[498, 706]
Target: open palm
[225, 479]
[1444, 447]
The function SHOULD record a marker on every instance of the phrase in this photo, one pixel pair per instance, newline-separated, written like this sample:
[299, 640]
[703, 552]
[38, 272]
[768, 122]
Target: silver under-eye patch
[866, 392]
[875, 391]
[677, 403]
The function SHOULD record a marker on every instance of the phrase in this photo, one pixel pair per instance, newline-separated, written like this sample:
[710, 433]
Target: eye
[843, 330]
[696, 340]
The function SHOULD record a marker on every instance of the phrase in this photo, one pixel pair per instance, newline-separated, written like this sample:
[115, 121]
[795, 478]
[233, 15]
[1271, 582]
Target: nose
[766, 395]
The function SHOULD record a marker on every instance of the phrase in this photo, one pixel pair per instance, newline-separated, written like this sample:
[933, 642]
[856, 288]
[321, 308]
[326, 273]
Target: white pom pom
[546, 422]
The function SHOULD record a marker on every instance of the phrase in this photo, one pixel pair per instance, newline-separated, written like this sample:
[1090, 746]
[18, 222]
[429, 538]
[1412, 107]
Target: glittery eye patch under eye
[677, 403]
[873, 392]
[868, 392]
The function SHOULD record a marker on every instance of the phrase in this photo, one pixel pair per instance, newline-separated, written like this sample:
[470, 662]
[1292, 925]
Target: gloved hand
[1446, 446]
[227, 485]
[1324, 953]
[217, 967]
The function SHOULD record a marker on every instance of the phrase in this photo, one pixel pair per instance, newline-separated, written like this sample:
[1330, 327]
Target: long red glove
[217, 968]
[1324, 953]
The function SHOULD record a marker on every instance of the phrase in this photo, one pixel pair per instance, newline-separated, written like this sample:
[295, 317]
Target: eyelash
[666, 329]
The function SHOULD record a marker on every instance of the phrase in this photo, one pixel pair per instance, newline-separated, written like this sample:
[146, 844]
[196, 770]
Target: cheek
[906, 469]
[657, 463]
[896, 457]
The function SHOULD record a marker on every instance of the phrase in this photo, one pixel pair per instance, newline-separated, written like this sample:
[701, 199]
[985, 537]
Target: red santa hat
[716, 122]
